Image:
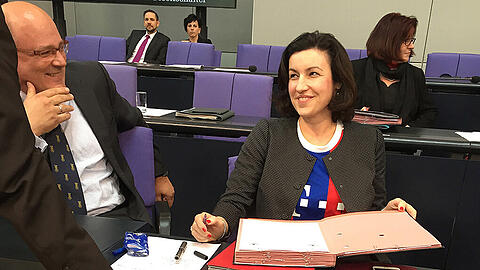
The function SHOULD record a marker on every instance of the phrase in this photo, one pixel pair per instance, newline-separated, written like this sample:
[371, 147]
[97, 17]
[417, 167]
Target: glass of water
[142, 101]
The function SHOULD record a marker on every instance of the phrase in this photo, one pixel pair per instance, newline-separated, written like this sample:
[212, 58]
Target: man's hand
[45, 109]
[164, 190]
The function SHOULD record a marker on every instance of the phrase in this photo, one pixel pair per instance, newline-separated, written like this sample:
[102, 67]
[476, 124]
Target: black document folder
[216, 114]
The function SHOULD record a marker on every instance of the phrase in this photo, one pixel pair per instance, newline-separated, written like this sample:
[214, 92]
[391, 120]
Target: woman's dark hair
[388, 35]
[191, 18]
[342, 102]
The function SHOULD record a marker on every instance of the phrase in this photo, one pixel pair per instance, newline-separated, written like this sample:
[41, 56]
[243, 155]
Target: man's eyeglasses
[409, 41]
[46, 53]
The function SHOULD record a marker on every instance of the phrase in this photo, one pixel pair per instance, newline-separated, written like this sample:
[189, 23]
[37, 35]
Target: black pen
[200, 255]
[181, 250]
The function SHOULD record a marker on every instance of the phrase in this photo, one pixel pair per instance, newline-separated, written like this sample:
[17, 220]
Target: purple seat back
[177, 52]
[363, 53]
[353, 54]
[439, 64]
[274, 58]
[71, 41]
[468, 65]
[137, 147]
[201, 54]
[84, 48]
[212, 89]
[250, 54]
[125, 78]
[112, 49]
[218, 59]
[231, 164]
[252, 95]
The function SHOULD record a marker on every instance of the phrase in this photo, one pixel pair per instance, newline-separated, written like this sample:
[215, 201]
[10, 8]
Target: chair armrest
[163, 217]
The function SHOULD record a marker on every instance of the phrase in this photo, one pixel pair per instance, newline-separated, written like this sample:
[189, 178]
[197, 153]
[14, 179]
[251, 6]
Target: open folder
[318, 243]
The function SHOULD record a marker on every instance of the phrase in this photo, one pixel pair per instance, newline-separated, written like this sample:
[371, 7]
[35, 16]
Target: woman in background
[386, 81]
[314, 162]
[193, 27]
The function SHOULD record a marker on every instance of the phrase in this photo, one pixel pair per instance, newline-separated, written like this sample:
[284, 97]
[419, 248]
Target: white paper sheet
[157, 112]
[260, 234]
[470, 136]
[162, 256]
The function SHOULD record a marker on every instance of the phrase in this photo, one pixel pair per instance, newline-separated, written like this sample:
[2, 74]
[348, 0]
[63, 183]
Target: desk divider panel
[464, 249]
[433, 186]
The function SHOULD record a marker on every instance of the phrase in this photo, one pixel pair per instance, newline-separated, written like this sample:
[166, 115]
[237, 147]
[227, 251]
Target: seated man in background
[148, 46]
[89, 166]
[193, 27]
[28, 197]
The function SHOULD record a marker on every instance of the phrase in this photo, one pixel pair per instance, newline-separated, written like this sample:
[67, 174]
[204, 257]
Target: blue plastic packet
[136, 244]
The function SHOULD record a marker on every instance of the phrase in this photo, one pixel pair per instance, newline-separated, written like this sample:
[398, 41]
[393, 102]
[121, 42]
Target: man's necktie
[140, 50]
[64, 170]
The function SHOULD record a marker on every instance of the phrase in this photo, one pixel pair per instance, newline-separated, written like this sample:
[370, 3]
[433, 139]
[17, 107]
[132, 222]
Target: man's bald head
[26, 21]
[35, 33]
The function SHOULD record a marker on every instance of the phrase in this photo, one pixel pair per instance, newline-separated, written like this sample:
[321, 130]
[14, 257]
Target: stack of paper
[318, 243]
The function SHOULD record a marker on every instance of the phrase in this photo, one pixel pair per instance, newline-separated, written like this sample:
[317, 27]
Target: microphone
[475, 79]
[252, 68]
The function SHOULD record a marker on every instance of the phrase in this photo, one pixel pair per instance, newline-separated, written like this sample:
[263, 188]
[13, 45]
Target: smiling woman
[386, 81]
[314, 162]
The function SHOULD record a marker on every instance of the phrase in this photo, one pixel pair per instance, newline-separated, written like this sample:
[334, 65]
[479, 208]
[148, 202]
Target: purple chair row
[187, 53]
[265, 57]
[96, 48]
[452, 65]
[244, 94]
[137, 147]
[355, 54]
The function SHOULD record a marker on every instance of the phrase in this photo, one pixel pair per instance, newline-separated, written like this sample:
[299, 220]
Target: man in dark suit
[90, 122]
[148, 46]
[27, 197]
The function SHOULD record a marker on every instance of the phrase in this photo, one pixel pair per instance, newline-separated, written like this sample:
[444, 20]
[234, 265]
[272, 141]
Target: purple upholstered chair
[212, 89]
[84, 48]
[353, 54]
[177, 52]
[363, 53]
[231, 164]
[252, 95]
[137, 147]
[71, 41]
[468, 65]
[201, 54]
[125, 78]
[274, 58]
[112, 49]
[218, 59]
[439, 64]
[250, 54]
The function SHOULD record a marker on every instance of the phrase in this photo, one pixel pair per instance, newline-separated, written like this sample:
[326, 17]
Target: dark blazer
[420, 109]
[273, 167]
[29, 199]
[157, 49]
[108, 114]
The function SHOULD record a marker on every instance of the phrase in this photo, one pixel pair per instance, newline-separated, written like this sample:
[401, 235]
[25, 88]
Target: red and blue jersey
[319, 197]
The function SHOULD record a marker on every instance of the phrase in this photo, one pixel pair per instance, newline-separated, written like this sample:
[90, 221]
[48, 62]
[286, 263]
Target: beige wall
[452, 27]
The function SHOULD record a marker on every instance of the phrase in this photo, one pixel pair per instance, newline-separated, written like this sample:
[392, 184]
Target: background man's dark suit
[108, 114]
[157, 49]
[29, 197]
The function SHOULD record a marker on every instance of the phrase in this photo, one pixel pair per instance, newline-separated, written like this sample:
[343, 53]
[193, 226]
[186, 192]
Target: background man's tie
[141, 49]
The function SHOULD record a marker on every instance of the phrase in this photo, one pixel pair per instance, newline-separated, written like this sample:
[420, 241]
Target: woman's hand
[401, 205]
[206, 227]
